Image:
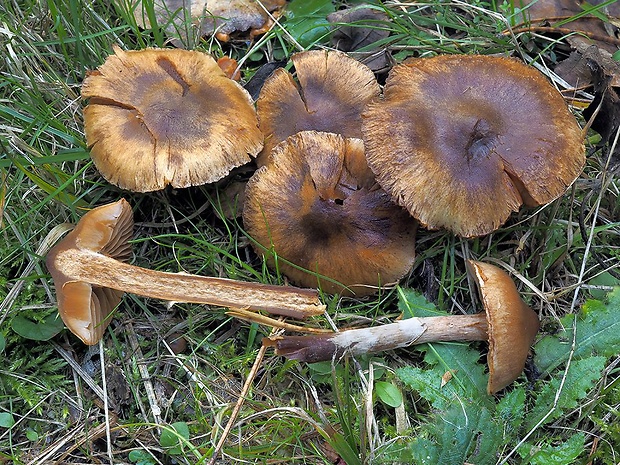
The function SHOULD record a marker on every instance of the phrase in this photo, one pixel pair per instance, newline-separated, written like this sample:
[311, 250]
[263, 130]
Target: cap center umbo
[325, 221]
[482, 140]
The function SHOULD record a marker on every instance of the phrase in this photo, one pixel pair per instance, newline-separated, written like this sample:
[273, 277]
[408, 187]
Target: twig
[253, 317]
[567, 32]
[80, 371]
[144, 374]
[106, 413]
[239, 404]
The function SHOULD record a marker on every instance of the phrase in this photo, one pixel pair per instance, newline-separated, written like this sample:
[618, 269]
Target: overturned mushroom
[317, 205]
[333, 91]
[463, 141]
[90, 275]
[158, 116]
[508, 324]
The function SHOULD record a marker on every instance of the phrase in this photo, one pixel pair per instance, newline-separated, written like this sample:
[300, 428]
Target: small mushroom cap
[317, 205]
[512, 324]
[84, 308]
[333, 91]
[463, 141]
[158, 116]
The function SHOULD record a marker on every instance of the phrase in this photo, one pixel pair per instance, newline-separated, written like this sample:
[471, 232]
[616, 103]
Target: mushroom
[333, 91]
[507, 323]
[317, 207]
[157, 117]
[90, 275]
[463, 141]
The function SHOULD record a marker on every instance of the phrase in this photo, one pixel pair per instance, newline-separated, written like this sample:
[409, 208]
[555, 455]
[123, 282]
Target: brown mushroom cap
[158, 116]
[463, 141]
[317, 204]
[512, 324]
[333, 91]
[85, 308]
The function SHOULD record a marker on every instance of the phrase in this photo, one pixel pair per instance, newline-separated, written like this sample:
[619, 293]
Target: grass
[50, 408]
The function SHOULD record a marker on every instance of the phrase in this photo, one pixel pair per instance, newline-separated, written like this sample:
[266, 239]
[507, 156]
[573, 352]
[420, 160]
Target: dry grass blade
[253, 317]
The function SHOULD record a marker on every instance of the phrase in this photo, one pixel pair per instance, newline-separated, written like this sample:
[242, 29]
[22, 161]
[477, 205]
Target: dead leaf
[220, 17]
[549, 15]
[576, 70]
[229, 66]
[447, 376]
[255, 84]
[357, 28]
[607, 120]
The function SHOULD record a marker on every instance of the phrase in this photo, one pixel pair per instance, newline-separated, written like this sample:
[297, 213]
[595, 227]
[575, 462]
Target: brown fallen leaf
[220, 17]
[554, 15]
[576, 69]
[447, 376]
[357, 28]
[605, 108]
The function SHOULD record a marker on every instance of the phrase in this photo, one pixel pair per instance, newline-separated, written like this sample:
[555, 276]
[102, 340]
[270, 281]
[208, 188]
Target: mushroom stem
[101, 270]
[403, 333]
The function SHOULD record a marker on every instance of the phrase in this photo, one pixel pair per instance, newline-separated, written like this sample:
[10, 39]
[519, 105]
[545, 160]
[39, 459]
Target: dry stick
[259, 318]
[239, 404]
[144, 374]
[567, 31]
[79, 370]
[104, 386]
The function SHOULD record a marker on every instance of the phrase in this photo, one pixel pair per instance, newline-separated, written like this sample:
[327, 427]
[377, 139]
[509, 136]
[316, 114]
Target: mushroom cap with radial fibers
[333, 91]
[84, 308]
[317, 204]
[463, 141]
[513, 325]
[161, 116]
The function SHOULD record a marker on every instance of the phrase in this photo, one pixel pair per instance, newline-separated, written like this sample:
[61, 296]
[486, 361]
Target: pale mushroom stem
[101, 270]
[403, 333]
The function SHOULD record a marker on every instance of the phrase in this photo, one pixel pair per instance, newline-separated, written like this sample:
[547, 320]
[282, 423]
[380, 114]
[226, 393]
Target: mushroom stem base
[403, 333]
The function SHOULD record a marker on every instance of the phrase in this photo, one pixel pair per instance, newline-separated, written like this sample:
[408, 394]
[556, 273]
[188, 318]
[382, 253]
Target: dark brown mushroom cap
[158, 116]
[317, 205]
[463, 141]
[512, 324]
[333, 91]
[84, 308]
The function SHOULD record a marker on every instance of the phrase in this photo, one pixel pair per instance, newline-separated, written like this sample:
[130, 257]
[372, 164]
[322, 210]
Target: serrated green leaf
[42, 331]
[414, 304]
[422, 451]
[597, 333]
[462, 362]
[388, 393]
[510, 410]
[581, 376]
[2, 342]
[463, 433]
[545, 454]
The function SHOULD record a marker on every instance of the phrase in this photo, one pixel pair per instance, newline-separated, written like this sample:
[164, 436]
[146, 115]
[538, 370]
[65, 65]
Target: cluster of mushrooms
[346, 172]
